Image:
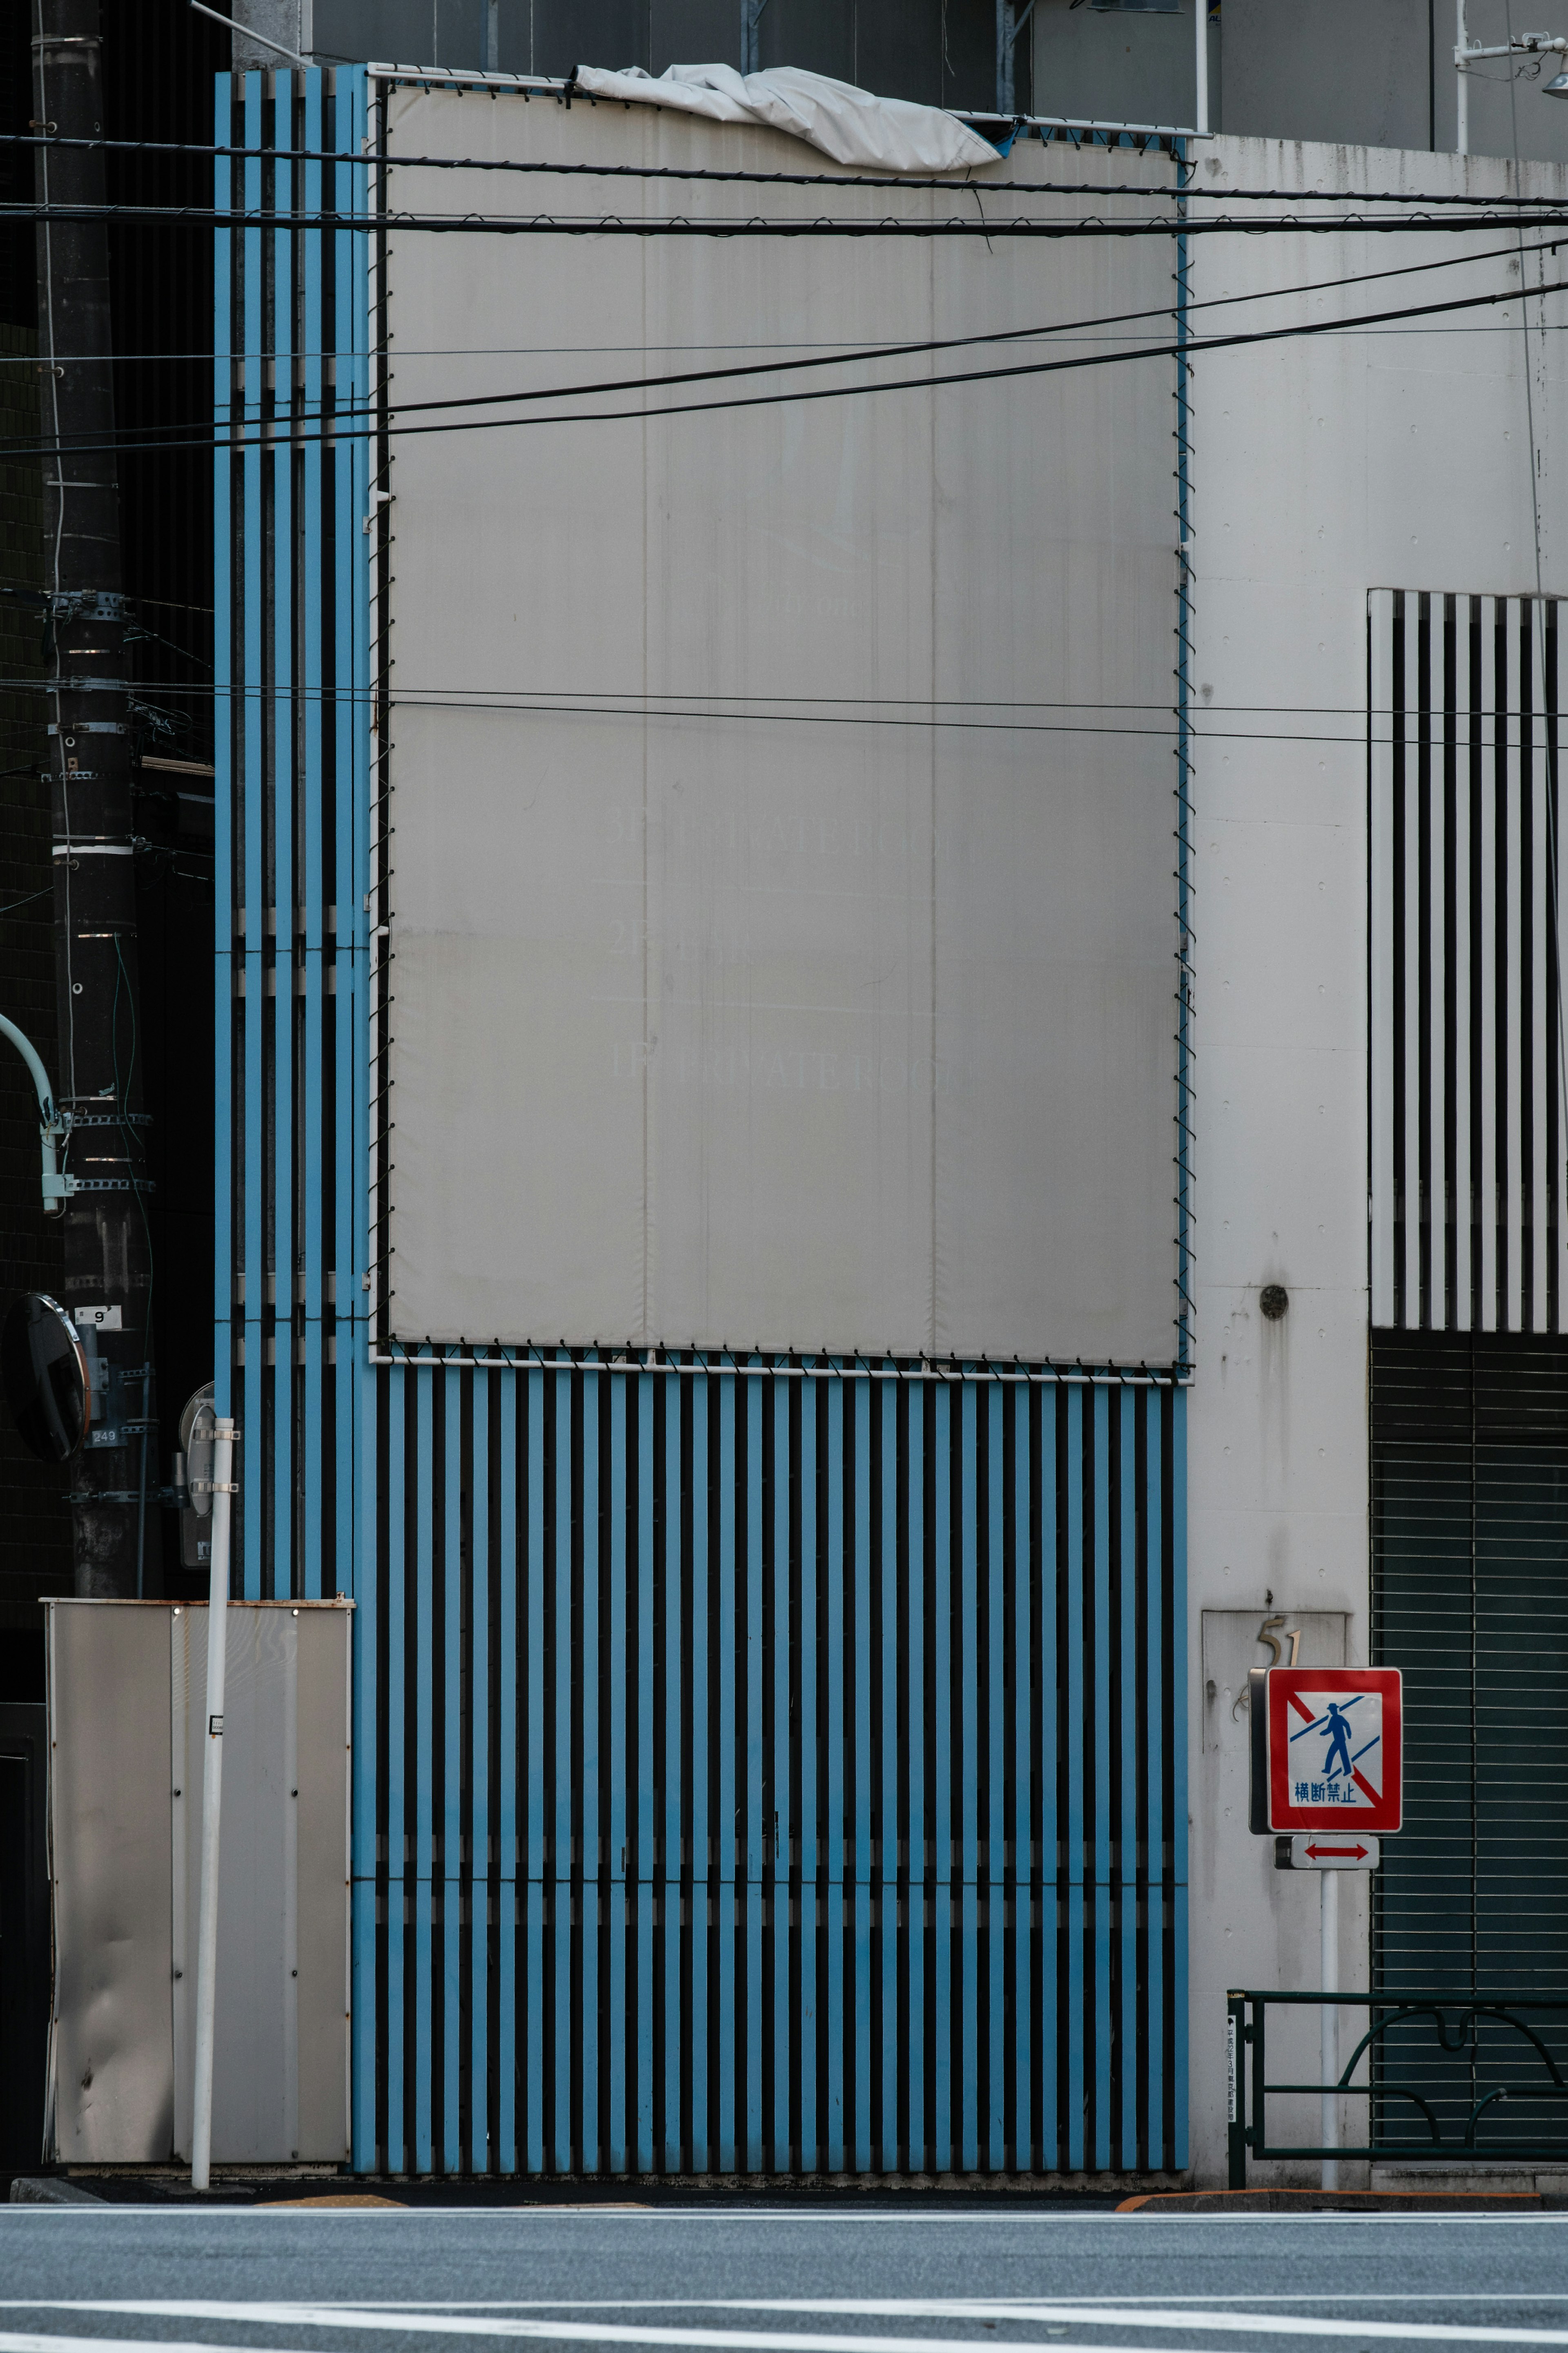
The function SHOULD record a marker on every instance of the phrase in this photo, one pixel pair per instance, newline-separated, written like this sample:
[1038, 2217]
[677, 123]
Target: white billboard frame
[609, 1298]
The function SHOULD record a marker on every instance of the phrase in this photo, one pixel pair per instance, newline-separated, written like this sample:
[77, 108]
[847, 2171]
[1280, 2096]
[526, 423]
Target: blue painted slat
[917, 1874]
[676, 1861]
[1050, 1985]
[451, 1874]
[943, 1873]
[835, 1791]
[479, 2154]
[1027, 1570]
[889, 1939]
[1102, 1719]
[1077, 2025]
[590, 1852]
[564, 1861]
[968, 1733]
[279, 1575]
[312, 578]
[807, 1880]
[253, 1273]
[399, 1874]
[862, 1786]
[532, 1993]
[646, 1794]
[726, 2088]
[1178, 1830]
[424, 1766]
[351, 626]
[615, 2022]
[1127, 1828]
[782, 1824]
[1153, 1700]
[700, 1876]
[508, 1763]
[755, 2150]
[995, 1789]
[224, 780]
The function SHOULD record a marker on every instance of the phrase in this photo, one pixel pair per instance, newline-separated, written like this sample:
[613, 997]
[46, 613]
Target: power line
[289, 436]
[384, 159]
[727, 226]
[872, 352]
[852, 714]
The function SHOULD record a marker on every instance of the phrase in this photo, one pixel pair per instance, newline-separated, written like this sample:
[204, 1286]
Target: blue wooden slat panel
[647, 1785]
[617, 2155]
[562, 1842]
[452, 1762]
[477, 1877]
[804, 1759]
[509, 1760]
[227, 1147]
[861, 1772]
[251, 895]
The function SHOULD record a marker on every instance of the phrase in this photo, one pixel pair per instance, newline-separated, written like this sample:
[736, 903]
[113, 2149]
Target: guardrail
[1495, 2048]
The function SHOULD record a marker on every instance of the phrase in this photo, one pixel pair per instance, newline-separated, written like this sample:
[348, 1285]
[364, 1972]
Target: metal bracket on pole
[225, 1435]
[54, 1126]
[1008, 28]
[751, 36]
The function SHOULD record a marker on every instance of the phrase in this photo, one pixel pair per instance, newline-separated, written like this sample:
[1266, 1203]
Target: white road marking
[722, 2340]
[1064, 2315]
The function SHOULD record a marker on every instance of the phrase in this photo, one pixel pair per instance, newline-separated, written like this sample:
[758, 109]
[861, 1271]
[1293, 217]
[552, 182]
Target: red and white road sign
[1335, 1749]
[1322, 1851]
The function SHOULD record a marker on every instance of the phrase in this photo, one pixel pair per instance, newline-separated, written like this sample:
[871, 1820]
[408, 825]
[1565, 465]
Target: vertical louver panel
[1468, 1173]
[775, 1774]
[1470, 1600]
[753, 1772]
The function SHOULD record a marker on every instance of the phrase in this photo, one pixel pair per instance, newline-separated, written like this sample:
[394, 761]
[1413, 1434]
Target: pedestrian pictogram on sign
[1334, 1760]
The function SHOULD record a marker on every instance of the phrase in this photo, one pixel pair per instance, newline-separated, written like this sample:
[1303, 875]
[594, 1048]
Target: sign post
[1328, 1767]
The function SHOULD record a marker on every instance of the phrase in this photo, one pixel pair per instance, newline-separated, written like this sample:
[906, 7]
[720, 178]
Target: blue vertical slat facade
[755, 1771]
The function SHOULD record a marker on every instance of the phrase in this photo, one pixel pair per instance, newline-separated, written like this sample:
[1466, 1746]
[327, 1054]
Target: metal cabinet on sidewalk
[127, 1729]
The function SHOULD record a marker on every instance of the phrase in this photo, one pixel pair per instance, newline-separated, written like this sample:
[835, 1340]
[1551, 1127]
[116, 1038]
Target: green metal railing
[1486, 2051]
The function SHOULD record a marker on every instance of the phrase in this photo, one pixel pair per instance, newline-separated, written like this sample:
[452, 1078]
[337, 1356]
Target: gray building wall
[942, 52]
[1373, 73]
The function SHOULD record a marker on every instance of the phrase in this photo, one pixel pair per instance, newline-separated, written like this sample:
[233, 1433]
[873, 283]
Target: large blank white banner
[783, 893]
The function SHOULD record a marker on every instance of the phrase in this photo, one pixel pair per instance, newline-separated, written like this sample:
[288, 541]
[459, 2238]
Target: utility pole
[108, 1249]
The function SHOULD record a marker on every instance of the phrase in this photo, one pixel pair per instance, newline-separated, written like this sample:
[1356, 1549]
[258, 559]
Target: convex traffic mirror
[44, 1367]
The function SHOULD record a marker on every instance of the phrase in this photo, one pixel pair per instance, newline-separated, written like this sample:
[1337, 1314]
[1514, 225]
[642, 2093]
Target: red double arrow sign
[1355, 1853]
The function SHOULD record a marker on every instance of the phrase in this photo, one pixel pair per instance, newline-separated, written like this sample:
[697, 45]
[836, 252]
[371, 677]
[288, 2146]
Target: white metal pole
[212, 1808]
[1329, 1973]
[1461, 81]
[1201, 19]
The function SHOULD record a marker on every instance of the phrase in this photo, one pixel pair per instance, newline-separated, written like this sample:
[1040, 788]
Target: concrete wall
[1319, 470]
[1362, 72]
[942, 52]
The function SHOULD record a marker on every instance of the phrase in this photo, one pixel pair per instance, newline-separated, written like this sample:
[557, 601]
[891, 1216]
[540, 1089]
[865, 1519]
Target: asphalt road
[87, 2280]
[464, 2281]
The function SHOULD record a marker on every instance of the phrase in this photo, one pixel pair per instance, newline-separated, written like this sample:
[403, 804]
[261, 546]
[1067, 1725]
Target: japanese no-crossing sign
[1335, 1748]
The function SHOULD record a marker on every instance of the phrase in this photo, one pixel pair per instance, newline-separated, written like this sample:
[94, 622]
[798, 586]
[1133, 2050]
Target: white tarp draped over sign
[853, 126]
[782, 911]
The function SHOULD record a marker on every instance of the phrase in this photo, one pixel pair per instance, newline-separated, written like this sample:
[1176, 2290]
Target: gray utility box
[127, 1727]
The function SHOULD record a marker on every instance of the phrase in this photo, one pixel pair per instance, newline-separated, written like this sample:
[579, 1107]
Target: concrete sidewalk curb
[1337, 2202]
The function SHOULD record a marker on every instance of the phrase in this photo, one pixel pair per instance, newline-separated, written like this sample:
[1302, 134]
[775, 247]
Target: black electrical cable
[655, 172]
[872, 352]
[727, 225]
[694, 707]
[286, 437]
